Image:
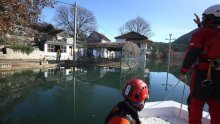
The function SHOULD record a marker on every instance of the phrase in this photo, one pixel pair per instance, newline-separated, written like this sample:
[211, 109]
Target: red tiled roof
[132, 36]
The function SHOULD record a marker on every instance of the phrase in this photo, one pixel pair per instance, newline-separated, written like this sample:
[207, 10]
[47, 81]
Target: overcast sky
[165, 16]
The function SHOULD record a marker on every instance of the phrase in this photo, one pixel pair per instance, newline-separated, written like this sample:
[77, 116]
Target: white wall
[104, 41]
[53, 55]
[120, 40]
[103, 52]
[143, 47]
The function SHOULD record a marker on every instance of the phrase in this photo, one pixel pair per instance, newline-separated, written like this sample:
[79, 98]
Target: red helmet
[136, 91]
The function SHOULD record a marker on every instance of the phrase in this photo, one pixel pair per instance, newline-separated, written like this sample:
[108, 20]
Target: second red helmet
[136, 91]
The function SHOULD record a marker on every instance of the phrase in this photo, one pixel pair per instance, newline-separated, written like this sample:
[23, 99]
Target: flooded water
[82, 95]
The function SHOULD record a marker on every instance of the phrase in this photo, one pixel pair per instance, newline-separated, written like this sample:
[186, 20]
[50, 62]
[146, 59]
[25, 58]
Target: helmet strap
[210, 20]
[129, 104]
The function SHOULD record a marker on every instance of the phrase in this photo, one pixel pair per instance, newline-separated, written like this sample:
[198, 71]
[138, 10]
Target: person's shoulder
[118, 120]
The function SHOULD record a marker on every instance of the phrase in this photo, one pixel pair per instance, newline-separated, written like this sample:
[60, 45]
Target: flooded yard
[78, 95]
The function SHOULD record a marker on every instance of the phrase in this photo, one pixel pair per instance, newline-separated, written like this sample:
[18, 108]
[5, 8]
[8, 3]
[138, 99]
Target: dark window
[50, 48]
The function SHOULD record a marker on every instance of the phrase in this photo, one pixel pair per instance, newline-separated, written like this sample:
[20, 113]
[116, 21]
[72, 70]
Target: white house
[136, 38]
[63, 43]
[96, 38]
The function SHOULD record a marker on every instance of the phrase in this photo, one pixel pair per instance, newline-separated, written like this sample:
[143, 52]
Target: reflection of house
[58, 74]
[136, 38]
[97, 38]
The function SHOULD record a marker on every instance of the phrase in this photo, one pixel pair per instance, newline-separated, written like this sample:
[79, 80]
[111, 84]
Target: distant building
[65, 43]
[96, 39]
[140, 40]
[100, 45]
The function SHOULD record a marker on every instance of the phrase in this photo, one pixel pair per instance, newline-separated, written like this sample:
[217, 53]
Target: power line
[105, 29]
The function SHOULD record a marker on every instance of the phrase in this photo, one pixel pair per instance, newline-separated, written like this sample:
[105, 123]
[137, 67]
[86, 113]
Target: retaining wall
[36, 54]
[11, 54]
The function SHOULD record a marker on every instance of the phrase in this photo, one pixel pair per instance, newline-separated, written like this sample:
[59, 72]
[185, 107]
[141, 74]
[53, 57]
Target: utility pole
[169, 47]
[74, 40]
[168, 67]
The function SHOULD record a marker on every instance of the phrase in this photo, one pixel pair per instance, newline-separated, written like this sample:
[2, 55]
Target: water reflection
[57, 95]
[78, 95]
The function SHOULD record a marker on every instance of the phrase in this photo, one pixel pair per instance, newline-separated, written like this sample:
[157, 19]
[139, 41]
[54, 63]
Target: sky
[164, 16]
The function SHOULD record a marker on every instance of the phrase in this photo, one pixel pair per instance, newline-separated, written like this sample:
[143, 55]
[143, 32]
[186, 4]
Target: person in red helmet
[135, 95]
[203, 56]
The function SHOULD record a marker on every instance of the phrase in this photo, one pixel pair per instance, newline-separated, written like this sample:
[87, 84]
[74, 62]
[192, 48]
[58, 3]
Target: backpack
[212, 48]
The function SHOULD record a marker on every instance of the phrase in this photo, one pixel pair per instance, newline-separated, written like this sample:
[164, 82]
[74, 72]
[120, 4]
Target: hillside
[179, 45]
[184, 39]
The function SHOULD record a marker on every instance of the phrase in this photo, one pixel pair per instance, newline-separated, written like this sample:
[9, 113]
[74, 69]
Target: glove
[197, 20]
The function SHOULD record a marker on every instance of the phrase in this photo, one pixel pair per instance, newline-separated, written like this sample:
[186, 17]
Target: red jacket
[194, 53]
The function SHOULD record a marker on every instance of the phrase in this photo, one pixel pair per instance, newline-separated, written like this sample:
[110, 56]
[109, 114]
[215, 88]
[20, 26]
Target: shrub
[2, 41]
[23, 48]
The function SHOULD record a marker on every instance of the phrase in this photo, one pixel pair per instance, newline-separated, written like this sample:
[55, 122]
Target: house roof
[101, 36]
[132, 36]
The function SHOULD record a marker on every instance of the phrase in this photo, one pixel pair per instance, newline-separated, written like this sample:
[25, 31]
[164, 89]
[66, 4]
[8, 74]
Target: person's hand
[197, 20]
[183, 77]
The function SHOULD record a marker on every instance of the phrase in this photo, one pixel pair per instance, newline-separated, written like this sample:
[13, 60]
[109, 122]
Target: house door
[70, 51]
[57, 47]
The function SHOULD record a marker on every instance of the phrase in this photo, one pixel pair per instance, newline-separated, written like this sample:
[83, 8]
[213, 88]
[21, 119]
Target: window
[50, 48]
[64, 40]
[63, 48]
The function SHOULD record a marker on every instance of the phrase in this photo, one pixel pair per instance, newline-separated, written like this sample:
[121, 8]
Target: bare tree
[138, 25]
[86, 22]
[22, 12]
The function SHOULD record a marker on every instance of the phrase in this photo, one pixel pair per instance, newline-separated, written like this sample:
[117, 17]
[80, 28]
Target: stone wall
[36, 54]
[11, 54]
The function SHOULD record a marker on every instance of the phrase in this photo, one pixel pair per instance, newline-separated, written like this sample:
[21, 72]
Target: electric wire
[171, 92]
